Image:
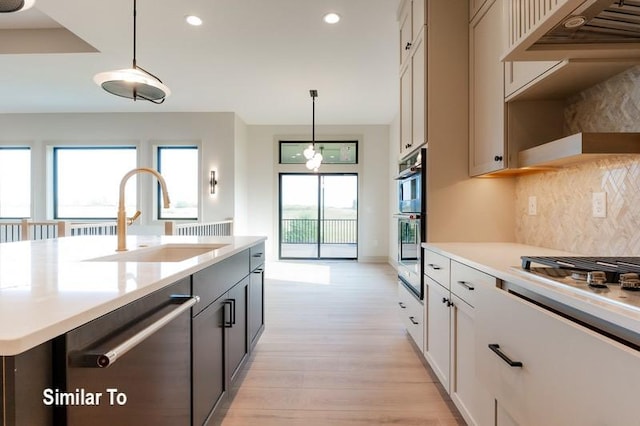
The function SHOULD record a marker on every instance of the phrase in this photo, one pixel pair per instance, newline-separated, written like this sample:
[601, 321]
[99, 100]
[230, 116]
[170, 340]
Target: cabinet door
[405, 111]
[419, 92]
[406, 32]
[208, 345]
[237, 337]
[256, 304]
[566, 368]
[418, 17]
[487, 141]
[469, 395]
[474, 7]
[438, 327]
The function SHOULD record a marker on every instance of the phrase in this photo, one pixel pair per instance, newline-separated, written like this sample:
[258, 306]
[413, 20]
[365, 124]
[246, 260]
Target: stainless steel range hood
[573, 29]
[577, 148]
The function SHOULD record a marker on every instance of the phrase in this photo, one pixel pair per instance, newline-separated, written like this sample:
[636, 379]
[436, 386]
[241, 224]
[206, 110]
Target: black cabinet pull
[258, 271]
[466, 285]
[257, 255]
[225, 323]
[498, 158]
[408, 46]
[413, 320]
[447, 301]
[434, 267]
[402, 305]
[233, 311]
[496, 349]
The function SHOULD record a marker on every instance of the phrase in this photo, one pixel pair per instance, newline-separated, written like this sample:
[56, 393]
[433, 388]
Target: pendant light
[314, 159]
[133, 83]
[10, 6]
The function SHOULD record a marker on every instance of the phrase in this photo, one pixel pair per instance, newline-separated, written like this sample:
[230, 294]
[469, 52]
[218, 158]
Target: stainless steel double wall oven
[411, 217]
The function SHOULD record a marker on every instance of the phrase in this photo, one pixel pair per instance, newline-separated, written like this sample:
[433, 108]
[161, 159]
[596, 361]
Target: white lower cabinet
[411, 313]
[547, 370]
[468, 394]
[450, 338]
[437, 348]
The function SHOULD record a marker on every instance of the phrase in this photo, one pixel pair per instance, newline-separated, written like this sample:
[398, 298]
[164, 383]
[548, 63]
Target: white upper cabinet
[487, 139]
[413, 75]
[406, 33]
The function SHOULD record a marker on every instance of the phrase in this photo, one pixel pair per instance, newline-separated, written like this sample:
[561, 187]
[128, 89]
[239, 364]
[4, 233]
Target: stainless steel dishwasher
[129, 367]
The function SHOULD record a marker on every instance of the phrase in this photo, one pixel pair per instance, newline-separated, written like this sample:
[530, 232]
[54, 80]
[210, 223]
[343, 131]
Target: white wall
[241, 189]
[213, 132]
[373, 179]
[394, 153]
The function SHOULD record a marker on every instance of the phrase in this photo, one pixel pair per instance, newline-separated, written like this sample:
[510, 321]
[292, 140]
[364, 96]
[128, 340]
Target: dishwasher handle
[108, 357]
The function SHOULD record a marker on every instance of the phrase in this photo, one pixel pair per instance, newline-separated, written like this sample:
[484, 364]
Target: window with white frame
[179, 167]
[15, 182]
[86, 181]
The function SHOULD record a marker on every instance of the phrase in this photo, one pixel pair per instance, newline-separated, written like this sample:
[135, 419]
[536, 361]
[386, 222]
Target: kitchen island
[514, 346]
[50, 289]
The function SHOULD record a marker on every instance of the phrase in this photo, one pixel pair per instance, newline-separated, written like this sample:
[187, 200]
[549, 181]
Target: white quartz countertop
[49, 287]
[502, 260]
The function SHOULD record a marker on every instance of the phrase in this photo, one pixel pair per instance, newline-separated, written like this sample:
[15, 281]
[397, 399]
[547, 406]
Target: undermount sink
[162, 253]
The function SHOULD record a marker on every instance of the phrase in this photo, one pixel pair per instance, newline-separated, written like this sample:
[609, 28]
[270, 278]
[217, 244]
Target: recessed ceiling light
[331, 18]
[193, 20]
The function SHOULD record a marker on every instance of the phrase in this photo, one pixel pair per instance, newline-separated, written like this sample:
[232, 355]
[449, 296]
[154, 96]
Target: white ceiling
[258, 58]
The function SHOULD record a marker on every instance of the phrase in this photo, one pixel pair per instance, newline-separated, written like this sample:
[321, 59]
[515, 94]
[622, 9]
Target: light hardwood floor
[334, 352]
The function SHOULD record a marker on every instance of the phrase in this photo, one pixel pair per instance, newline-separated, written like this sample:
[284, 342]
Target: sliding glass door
[318, 216]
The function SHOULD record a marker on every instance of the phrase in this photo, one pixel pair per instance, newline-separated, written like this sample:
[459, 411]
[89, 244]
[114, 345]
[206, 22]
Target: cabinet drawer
[257, 256]
[465, 280]
[566, 368]
[437, 267]
[411, 313]
[214, 281]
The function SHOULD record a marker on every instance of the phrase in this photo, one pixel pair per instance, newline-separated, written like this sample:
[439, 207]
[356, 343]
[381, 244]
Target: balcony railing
[332, 231]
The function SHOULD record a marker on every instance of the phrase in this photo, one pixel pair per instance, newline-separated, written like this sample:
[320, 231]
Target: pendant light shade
[133, 83]
[10, 6]
[314, 158]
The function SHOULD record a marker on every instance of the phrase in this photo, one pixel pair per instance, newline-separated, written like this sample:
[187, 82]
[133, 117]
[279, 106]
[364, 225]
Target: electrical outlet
[599, 204]
[533, 205]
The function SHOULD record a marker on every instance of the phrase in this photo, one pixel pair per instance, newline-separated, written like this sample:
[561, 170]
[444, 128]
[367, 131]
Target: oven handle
[108, 357]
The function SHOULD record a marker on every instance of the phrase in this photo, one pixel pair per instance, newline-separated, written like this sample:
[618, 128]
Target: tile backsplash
[564, 198]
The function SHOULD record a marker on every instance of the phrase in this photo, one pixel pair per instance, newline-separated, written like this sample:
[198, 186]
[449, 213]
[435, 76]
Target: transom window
[179, 167]
[87, 180]
[333, 152]
[15, 182]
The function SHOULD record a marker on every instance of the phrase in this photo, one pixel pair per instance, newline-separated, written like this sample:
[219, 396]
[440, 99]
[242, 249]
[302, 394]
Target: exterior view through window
[179, 167]
[15, 183]
[318, 216]
[87, 181]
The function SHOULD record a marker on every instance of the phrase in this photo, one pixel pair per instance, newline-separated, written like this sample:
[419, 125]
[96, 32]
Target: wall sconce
[213, 182]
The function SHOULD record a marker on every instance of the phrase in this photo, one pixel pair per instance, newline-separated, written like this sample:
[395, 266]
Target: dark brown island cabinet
[189, 338]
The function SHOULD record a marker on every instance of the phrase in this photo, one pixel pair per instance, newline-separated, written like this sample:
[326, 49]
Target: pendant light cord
[134, 34]
[314, 94]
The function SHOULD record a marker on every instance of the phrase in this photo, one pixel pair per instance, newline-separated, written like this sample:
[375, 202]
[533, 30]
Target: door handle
[233, 311]
[402, 305]
[432, 266]
[413, 320]
[225, 323]
[496, 349]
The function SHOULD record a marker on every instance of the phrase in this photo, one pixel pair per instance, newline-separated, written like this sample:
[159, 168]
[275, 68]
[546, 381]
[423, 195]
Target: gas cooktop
[613, 278]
